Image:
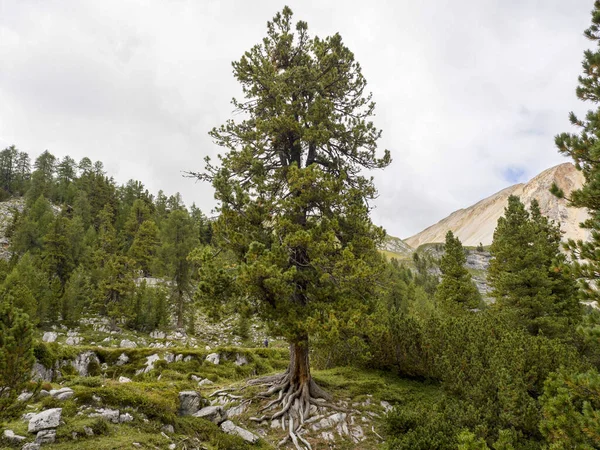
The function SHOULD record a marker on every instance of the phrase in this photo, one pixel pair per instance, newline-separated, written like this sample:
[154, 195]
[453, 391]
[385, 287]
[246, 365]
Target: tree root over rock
[292, 405]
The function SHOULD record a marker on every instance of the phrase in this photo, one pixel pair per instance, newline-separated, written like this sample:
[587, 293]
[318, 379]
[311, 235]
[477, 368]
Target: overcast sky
[469, 92]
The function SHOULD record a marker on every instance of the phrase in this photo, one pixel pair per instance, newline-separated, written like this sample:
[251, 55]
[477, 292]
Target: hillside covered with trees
[363, 351]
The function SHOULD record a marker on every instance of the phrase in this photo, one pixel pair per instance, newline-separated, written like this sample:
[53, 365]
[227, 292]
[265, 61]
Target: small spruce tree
[456, 291]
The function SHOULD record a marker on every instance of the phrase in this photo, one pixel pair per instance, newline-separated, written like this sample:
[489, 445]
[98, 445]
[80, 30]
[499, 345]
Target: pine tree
[16, 354]
[293, 203]
[584, 147]
[528, 274]
[145, 247]
[456, 291]
[179, 239]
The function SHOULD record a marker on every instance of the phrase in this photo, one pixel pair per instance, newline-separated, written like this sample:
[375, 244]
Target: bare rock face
[476, 224]
[83, 361]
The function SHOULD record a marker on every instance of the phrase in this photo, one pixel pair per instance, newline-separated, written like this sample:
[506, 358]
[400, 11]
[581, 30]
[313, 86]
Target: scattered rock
[123, 418]
[187, 358]
[357, 434]
[328, 422]
[25, 396]
[189, 403]
[40, 373]
[74, 340]
[168, 429]
[150, 360]
[240, 360]
[111, 415]
[83, 361]
[327, 436]
[62, 394]
[126, 343]
[122, 359]
[158, 334]
[195, 378]
[43, 393]
[88, 431]
[172, 446]
[386, 406]
[49, 336]
[44, 420]
[214, 358]
[169, 357]
[237, 410]
[27, 417]
[231, 428]
[215, 414]
[204, 382]
[31, 446]
[179, 357]
[10, 436]
[124, 380]
[45, 437]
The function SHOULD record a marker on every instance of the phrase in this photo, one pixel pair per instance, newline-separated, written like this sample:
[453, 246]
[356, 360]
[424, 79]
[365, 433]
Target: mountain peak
[476, 224]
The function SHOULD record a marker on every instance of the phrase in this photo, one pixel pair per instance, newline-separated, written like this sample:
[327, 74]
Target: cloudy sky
[469, 92]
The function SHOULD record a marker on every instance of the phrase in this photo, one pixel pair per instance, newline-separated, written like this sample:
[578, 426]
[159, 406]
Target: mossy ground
[152, 399]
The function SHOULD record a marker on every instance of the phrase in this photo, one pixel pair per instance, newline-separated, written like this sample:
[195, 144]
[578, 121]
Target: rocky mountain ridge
[476, 224]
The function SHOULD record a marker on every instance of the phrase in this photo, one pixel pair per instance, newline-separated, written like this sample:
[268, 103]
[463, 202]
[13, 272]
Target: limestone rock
[231, 428]
[215, 414]
[88, 431]
[49, 418]
[24, 396]
[124, 380]
[83, 361]
[168, 429]
[62, 394]
[49, 336]
[111, 415]
[45, 437]
[240, 360]
[126, 343]
[150, 360]
[122, 359]
[204, 382]
[126, 417]
[10, 436]
[158, 334]
[41, 373]
[31, 446]
[169, 357]
[189, 403]
[237, 410]
[74, 340]
[214, 358]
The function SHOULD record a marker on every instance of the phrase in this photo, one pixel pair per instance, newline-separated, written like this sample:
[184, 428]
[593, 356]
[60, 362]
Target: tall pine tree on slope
[456, 291]
[527, 272]
[293, 200]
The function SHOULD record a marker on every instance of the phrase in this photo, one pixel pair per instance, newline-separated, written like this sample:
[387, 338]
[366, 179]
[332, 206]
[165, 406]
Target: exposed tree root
[292, 405]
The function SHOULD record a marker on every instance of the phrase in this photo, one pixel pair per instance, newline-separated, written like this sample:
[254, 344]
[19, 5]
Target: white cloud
[465, 89]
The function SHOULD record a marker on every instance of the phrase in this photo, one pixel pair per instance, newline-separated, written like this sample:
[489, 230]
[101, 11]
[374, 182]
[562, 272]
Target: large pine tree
[293, 200]
[528, 273]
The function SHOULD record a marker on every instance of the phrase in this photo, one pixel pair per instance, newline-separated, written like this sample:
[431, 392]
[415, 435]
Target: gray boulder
[49, 336]
[126, 417]
[150, 360]
[83, 361]
[62, 394]
[189, 403]
[31, 446]
[215, 414]
[45, 420]
[25, 396]
[45, 437]
[11, 437]
[126, 343]
[40, 373]
[74, 340]
[231, 428]
[123, 359]
[214, 358]
[124, 380]
[240, 360]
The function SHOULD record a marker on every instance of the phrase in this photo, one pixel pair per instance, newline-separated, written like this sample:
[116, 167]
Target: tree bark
[299, 369]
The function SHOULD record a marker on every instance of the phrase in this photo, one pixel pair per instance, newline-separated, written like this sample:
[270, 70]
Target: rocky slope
[476, 224]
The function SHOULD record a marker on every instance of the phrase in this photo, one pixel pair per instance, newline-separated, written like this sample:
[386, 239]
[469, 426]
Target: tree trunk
[299, 369]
